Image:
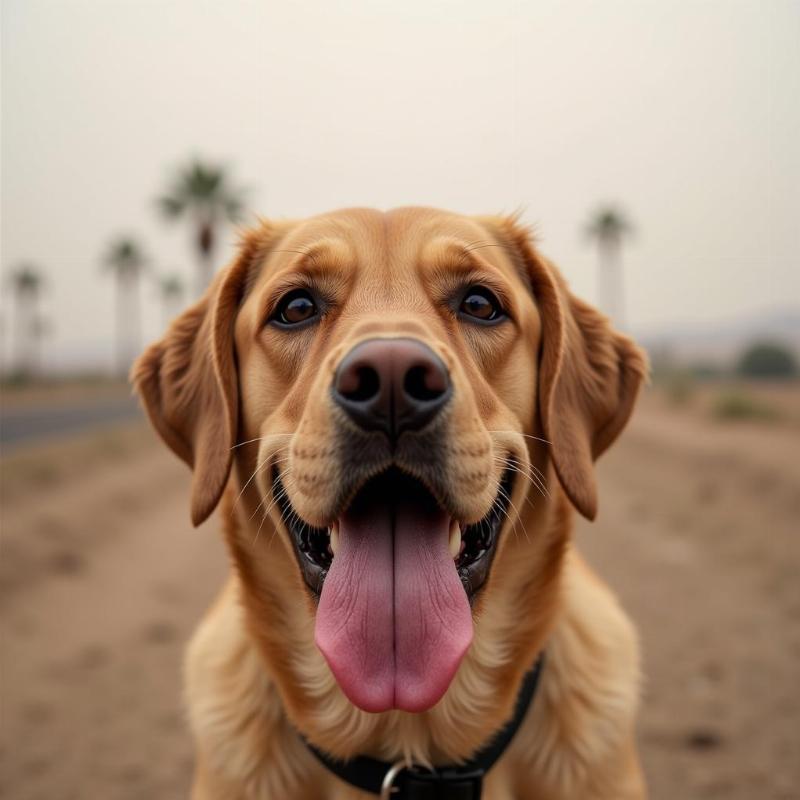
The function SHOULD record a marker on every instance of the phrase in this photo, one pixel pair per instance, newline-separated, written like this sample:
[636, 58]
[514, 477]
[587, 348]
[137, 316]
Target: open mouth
[471, 546]
[395, 575]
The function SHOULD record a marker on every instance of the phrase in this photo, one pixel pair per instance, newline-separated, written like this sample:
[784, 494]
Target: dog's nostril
[392, 385]
[367, 384]
[423, 383]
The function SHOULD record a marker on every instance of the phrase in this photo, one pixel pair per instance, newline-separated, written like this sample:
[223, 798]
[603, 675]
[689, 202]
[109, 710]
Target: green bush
[767, 360]
[679, 387]
[740, 406]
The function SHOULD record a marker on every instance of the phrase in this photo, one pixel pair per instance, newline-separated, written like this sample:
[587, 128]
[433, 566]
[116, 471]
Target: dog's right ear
[589, 373]
[188, 381]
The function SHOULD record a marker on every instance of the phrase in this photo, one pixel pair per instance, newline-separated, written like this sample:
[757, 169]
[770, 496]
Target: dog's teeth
[333, 532]
[455, 539]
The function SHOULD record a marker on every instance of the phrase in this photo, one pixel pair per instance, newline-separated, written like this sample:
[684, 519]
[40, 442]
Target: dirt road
[36, 415]
[698, 533]
[103, 579]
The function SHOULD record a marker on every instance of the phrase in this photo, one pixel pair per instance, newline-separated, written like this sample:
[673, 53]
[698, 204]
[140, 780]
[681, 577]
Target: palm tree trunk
[205, 273]
[128, 322]
[612, 300]
[25, 314]
[121, 325]
[167, 311]
[19, 334]
[136, 319]
[36, 346]
[205, 249]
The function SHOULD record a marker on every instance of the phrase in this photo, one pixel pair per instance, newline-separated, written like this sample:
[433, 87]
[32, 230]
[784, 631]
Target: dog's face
[393, 389]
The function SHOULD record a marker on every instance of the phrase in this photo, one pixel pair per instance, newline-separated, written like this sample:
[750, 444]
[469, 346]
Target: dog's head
[395, 390]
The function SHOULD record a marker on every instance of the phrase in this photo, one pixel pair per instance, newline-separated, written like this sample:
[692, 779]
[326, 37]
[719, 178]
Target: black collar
[463, 782]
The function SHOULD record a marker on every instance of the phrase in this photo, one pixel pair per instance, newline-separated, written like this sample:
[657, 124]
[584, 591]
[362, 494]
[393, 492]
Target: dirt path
[103, 579]
[698, 533]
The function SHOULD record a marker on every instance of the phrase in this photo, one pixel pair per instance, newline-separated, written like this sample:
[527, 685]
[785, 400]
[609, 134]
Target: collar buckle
[387, 787]
[408, 783]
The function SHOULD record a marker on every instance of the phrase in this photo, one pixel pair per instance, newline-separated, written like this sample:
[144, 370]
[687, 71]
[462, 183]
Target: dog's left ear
[188, 381]
[589, 373]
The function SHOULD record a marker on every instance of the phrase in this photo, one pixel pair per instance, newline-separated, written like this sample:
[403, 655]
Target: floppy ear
[188, 381]
[589, 374]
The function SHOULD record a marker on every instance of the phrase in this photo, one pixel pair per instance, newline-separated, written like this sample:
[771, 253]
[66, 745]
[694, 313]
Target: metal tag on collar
[410, 783]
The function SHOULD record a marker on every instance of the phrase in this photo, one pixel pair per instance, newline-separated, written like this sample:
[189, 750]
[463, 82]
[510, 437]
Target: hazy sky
[687, 114]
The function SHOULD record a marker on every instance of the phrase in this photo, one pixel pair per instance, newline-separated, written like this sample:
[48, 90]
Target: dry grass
[729, 400]
[739, 405]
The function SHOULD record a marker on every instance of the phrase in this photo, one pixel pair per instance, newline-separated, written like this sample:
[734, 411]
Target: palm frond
[125, 257]
[26, 278]
[171, 206]
[203, 187]
[608, 223]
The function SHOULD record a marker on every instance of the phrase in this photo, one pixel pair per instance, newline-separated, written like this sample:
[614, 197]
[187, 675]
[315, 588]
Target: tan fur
[553, 390]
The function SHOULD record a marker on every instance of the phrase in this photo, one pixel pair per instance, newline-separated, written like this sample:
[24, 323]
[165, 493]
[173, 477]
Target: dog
[397, 413]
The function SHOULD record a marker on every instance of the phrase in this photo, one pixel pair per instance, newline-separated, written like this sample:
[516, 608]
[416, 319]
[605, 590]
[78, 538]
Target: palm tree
[203, 193]
[41, 329]
[125, 259]
[608, 227]
[171, 289]
[26, 284]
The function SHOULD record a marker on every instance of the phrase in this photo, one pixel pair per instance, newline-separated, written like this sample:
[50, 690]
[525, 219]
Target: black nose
[393, 385]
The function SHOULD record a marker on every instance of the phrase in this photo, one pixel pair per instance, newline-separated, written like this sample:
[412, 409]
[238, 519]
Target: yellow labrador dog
[399, 412]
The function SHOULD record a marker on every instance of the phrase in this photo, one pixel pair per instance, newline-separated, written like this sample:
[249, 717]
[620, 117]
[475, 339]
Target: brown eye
[295, 307]
[480, 304]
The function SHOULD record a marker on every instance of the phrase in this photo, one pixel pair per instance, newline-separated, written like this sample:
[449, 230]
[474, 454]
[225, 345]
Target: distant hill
[722, 341]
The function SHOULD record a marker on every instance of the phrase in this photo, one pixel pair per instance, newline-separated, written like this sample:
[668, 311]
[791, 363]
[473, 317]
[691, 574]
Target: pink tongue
[393, 620]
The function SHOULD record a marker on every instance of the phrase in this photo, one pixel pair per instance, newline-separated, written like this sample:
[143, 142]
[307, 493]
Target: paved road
[22, 425]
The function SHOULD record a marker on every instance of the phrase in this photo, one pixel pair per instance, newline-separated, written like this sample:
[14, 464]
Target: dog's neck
[481, 696]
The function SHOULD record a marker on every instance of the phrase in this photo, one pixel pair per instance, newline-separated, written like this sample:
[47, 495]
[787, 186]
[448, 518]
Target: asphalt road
[23, 425]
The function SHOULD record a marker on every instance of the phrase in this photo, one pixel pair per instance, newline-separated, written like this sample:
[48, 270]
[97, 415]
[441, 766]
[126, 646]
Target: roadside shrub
[679, 387]
[707, 371]
[740, 406]
[767, 360]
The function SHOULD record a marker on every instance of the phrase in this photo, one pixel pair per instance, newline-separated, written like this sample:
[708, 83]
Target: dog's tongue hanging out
[393, 620]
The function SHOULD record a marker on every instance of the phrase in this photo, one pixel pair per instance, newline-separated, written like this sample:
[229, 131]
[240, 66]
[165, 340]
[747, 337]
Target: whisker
[286, 521]
[476, 245]
[309, 253]
[504, 494]
[276, 461]
[261, 439]
[258, 468]
[481, 245]
[537, 479]
[525, 435]
[542, 479]
[518, 469]
[526, 498]
[283, 494]
[276, 499]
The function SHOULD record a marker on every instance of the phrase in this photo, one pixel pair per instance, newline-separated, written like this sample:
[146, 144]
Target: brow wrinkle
[478, 245]
[308, 253]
